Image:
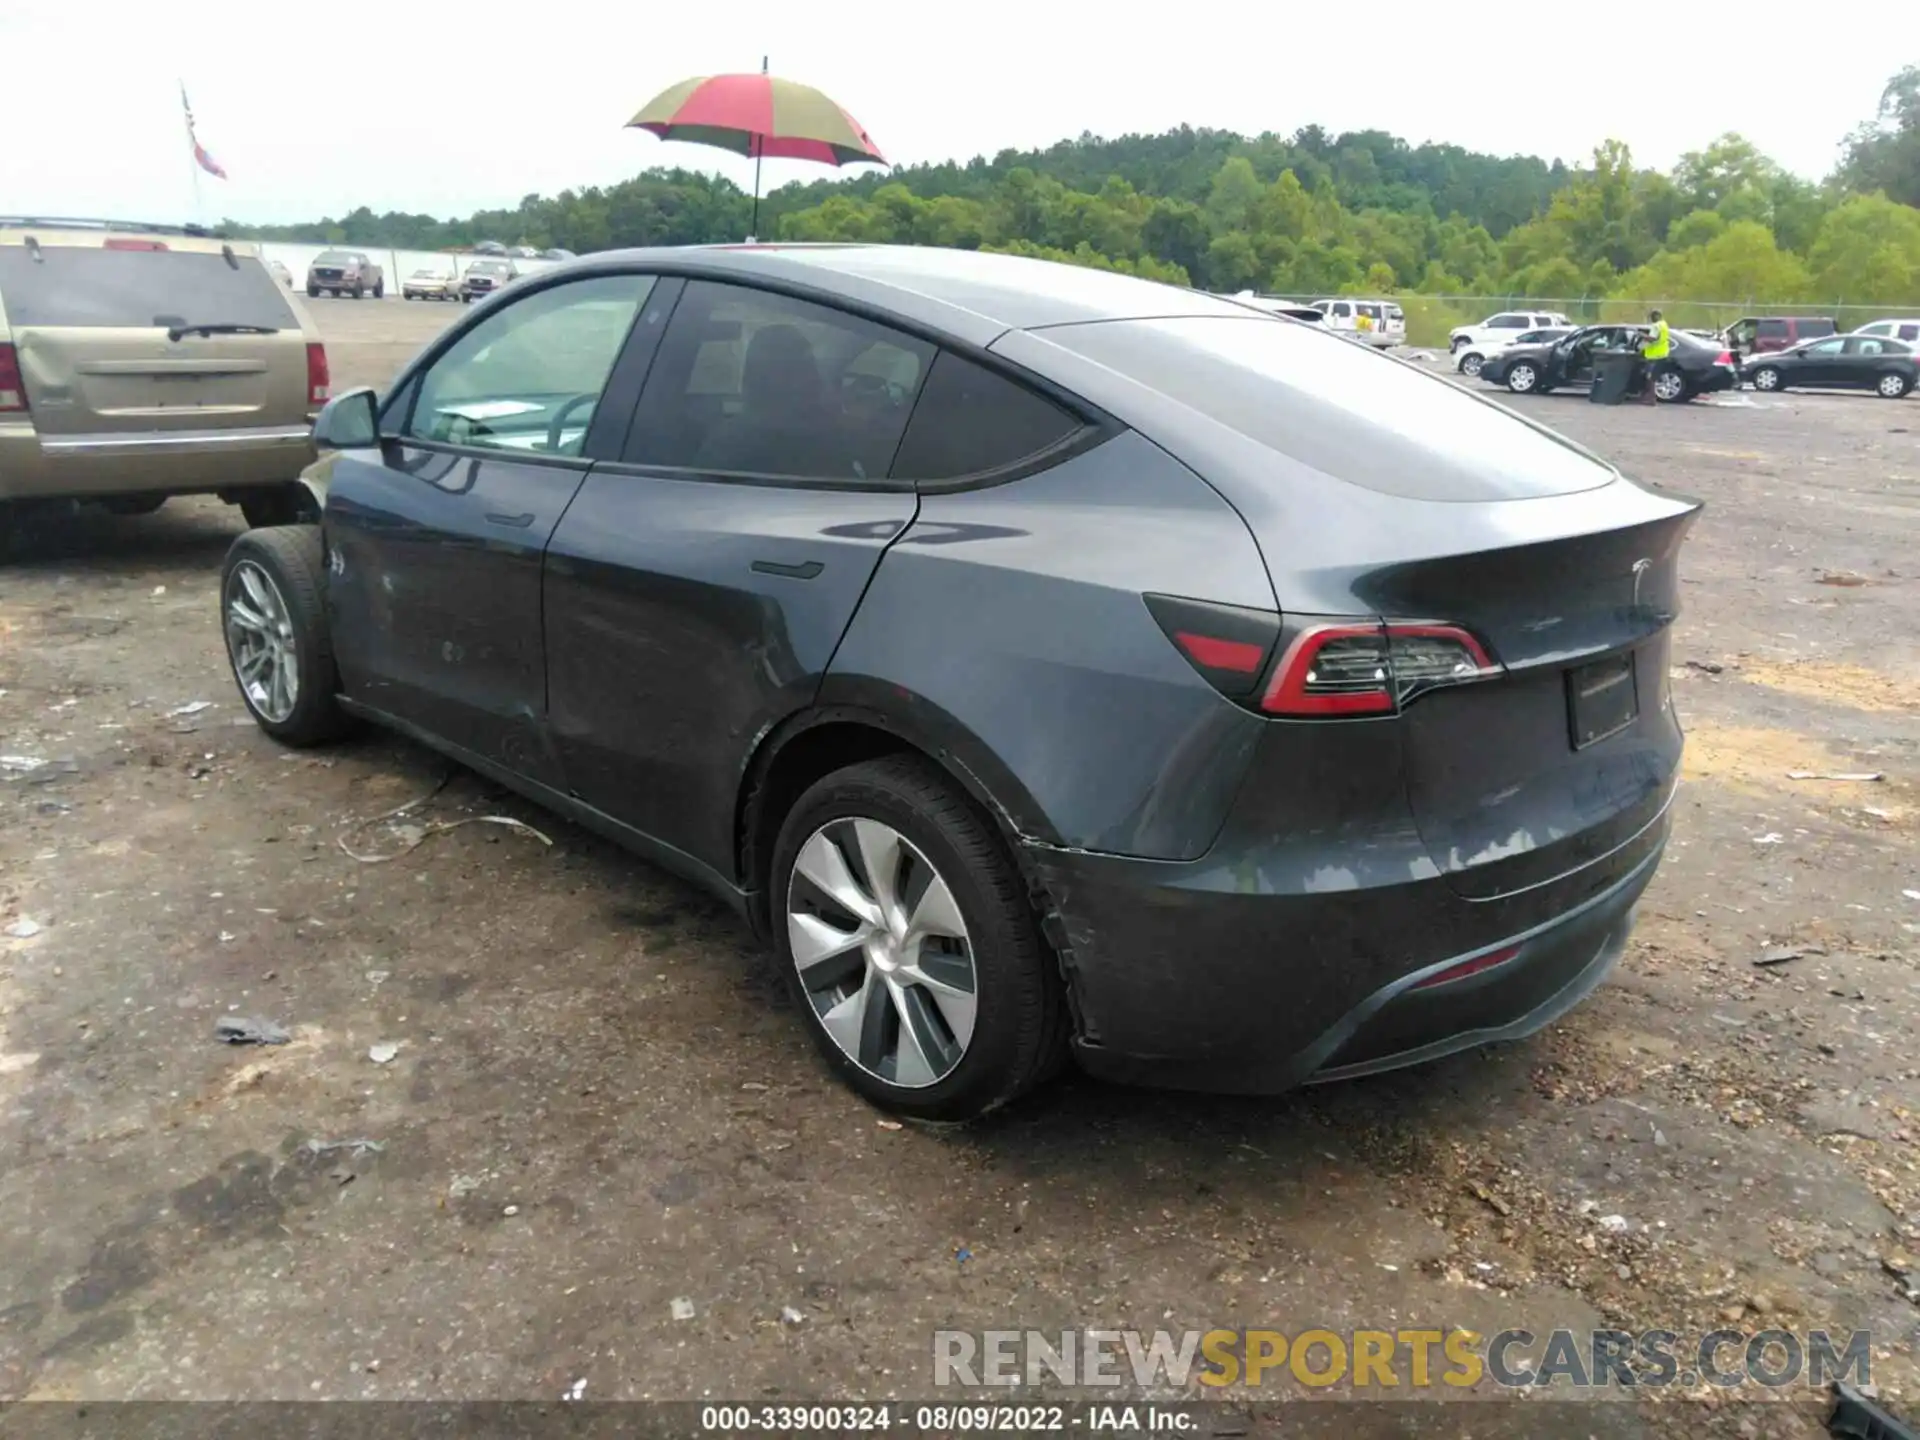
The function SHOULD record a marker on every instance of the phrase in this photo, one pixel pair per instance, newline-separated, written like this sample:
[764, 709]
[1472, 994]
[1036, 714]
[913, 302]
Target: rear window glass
[1772, 329]
[1339, 408]
[84, 286]
[970, 420]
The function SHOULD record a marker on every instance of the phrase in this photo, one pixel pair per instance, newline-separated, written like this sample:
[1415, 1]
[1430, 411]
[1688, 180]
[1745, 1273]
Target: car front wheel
[1523, 378]
[1768, 378]
[272, 610]
[1471, 364]
[910, 945]
[1670, 387]
[1892, 387]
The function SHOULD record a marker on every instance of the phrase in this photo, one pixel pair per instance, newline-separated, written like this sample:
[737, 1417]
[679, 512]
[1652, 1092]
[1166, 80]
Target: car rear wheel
[1892, 387]
[1768, 378]
[1523, 377]
[1471, 364]
[1670, 387]
[910, 945]
[272, 610]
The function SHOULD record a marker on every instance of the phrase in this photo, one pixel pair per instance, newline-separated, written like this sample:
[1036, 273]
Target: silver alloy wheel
[882, 952]
[1893, 386]
[260, 643]
[1470, 365]
[1521, 377]
[1766, 379]
[1669, 385]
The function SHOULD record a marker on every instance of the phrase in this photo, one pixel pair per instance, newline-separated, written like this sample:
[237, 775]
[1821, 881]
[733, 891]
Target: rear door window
[970, 420]
[1810, 328]
[87, 286]
[1910, 333]
[1771, 330]
[752, 383]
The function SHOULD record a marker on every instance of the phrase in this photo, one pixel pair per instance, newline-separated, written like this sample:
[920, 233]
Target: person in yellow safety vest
[1655, 348]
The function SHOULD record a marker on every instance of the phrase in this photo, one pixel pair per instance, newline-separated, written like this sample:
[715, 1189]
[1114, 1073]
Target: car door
[1860, 363]
[1577, 365]
[437, 534]
[697, 589]
[1822, 363]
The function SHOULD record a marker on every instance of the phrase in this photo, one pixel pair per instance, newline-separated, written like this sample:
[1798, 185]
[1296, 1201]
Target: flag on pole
[200, 156]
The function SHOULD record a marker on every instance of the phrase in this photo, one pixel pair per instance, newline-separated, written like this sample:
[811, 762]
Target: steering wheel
[559, 421]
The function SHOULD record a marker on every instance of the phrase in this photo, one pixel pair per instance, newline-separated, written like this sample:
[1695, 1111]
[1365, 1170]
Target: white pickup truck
[1503, 327]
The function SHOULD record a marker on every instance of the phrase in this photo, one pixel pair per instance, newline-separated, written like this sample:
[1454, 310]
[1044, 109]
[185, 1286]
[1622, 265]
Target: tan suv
[138, 362]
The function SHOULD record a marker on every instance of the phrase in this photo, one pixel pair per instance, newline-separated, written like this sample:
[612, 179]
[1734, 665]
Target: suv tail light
[1725, 357]
[1364, 668]
[133, 244]
[13, 390]
[319, 379]
[1329, 668]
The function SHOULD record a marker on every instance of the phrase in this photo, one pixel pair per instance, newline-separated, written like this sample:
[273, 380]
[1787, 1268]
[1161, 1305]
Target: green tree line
[1310, 214]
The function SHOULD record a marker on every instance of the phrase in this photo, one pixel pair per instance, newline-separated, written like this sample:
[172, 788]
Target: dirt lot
[599, 1108]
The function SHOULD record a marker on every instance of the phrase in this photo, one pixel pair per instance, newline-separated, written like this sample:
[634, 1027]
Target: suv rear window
[1812, 329]
[1772, 329]
[1338, 408]
[85, 286]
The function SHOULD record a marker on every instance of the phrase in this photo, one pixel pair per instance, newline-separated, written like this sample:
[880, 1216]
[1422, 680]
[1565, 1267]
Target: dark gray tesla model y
[1042, 661]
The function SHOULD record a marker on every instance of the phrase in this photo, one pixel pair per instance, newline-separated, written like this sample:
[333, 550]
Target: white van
[1907, 330]
[1378, 322]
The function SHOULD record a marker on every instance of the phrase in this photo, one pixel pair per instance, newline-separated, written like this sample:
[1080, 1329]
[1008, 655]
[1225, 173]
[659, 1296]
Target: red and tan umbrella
[758, 115]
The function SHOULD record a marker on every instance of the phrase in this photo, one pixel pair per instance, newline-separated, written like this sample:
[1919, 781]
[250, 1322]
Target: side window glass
[753, 383]
[1772, 329]
[527, 377]
[1508, 322]
[1910, 332]
[1826, 347]
[1342, 309]
[970, 419]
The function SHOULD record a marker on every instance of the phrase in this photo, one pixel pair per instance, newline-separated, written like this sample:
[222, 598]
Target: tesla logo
[1640, 568]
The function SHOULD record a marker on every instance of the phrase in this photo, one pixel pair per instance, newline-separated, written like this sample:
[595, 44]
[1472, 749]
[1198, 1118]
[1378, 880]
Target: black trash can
[1613, 376]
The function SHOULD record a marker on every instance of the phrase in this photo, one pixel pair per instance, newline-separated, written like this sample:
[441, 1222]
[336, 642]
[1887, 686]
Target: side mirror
[349, 422]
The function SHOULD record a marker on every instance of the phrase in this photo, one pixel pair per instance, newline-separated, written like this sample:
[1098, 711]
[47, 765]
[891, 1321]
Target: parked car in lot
[1380, 323]
[1763, 334]
[1905, 331]
[432, 282]
[489, 247]
[1504, 329]
[139, 362]
[345, 272]
[1225, 704]
[1841, 362]
[483, 277]
[1694, 367]
[522, 252]
[1468, 358]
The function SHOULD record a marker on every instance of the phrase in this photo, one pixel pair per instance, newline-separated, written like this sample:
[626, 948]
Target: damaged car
[1045, 664]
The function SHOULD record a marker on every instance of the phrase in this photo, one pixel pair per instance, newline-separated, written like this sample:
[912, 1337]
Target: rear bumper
[36, 467]
[1196, 976]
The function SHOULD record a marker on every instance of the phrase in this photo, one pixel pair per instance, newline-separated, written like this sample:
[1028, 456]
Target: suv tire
[285, 568]
[1017, 1034]
[379, 289]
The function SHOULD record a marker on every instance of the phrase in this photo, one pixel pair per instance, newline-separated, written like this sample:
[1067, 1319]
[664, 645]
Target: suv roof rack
[71, 222]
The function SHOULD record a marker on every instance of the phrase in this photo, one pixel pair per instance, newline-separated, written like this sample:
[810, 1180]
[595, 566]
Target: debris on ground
[1489, 1199]
[1772, 837]
[412, 837]
[462, 1185]
[889, 1124]
[25, 928]
[510, 1211]
[384, 1052]
[961, 1255]
[1711, 667]
[575, 1391]
[681, 1307]
[1841, 577]
[1780, 955]
[192, 707]
[356, 1148]
[791, 1316]
[20, 764]
[1862, 775]
[240, 1030]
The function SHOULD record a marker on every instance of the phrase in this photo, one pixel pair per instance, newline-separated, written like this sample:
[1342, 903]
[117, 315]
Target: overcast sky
[447, 107]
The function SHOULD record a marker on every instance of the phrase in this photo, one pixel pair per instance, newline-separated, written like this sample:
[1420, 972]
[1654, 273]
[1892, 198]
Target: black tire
[293, 557]
[270, 505]
[313, 292]
[380, 290]
[1020, 1028]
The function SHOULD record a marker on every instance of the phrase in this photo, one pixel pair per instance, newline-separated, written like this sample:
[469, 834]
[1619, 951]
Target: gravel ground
[597, 1107]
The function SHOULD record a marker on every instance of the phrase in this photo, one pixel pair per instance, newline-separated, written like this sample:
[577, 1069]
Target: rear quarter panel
[1010, 622]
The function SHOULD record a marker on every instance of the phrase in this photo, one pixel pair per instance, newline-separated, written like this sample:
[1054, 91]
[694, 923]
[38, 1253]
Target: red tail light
[1726, 358]
[1227, 644]
[1467, 967]
[13, 390]
[133, 244]
[1369, 669]
[319, 380]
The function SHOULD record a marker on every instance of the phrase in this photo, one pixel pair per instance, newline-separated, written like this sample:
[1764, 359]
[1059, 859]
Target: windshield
[489, 267]
[86, 286]
[334, 257]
